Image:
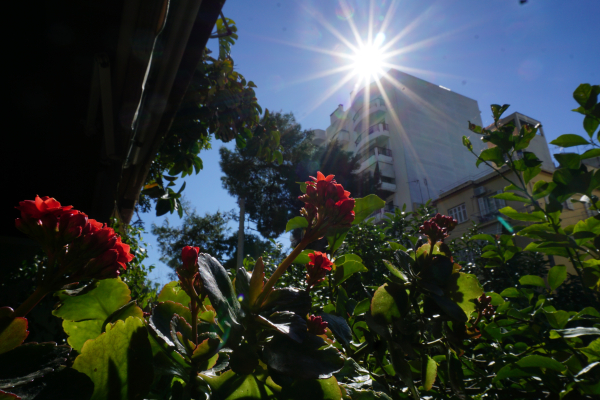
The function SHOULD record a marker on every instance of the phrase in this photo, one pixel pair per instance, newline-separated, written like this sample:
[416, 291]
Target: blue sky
[531, 56]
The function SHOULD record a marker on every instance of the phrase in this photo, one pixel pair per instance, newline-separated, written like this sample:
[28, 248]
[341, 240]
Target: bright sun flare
[368, 59]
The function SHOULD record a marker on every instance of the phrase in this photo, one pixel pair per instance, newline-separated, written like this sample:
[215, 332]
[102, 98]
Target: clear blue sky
[531, 56]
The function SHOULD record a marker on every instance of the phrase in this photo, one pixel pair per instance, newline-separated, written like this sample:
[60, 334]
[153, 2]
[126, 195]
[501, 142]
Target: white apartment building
[412, 130]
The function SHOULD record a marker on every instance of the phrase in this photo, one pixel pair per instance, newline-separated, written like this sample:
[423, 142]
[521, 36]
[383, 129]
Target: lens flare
[369, 59]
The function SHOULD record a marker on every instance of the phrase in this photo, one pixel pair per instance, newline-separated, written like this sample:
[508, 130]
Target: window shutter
[569, 205]
[483, 208]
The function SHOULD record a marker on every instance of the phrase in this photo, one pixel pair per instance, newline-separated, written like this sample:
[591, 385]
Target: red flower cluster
[189, 257]
[317, 268]
[82, 247]
[316, 325]
[438, 227]
[328, 205]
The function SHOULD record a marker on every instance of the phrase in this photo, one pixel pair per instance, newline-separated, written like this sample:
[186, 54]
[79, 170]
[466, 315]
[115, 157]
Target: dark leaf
[311, 359]
[287, 299]
[287, 323]
[389, 303]
[30, 361]
[339, 327]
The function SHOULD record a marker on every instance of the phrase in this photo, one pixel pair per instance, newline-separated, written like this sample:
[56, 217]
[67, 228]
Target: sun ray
[408, 29]
[318, 75]
[303, 46]
[353, 27]
[329, 93]
[329, 27]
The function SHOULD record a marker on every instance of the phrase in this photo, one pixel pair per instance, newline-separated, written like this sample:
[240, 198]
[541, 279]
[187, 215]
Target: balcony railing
[375, 151]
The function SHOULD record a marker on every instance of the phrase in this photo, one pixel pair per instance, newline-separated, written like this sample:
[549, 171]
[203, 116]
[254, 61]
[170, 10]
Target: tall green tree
[267, 191]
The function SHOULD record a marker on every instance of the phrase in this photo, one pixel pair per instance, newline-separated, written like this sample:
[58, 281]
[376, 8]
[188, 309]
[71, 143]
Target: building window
[459, 213]
[569, 205]
[489, 205]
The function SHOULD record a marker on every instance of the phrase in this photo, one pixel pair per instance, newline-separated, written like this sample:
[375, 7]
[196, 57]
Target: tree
[267, 191]
[208, 232]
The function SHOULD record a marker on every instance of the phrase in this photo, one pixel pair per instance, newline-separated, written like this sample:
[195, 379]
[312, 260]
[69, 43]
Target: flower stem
[194, 311]
[31, 302]
[281, 269]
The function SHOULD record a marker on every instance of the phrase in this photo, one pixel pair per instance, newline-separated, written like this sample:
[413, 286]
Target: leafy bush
[375, 318]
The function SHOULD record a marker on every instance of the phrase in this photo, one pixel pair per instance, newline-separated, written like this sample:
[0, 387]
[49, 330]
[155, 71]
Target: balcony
[372, 133]
[375, 106]
[319, 137]
[343, 137]
[373, 155]
[388, 187]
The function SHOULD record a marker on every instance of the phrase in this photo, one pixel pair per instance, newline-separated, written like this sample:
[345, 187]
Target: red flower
[316, 325]
[437, 228]
[317, 268]
[36, 209]
[328, 205]
[189, 256]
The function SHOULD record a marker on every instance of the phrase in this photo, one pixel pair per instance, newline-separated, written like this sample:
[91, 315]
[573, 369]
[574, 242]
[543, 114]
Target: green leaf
[287, 299]
[557, 276]
[339, 327]
[174, 292]
[13, 332]
[568, 160]
[586, 95]
[119, 361]
[576, 332]
[389, 303]
[483, 236]
[278, 157]
[287, 323]
[430, 374]
[362, 307]
[231, 386]
[395, 271]
[498, 110]
[296, 222]
[219, 289]
[346, 266]
[494, 154]
[322, 389]
[509, 196]
[569, 140]
[467, 143]
[590, 124]
[463, 289]
[532, 280]
[536, 216]
[303, 257]
[163, 206]
[86, 313]
[365, 206]
[542, 188]
[311, 359]
[591, 153]
[557, 319]
[530, 173]
[535, 360]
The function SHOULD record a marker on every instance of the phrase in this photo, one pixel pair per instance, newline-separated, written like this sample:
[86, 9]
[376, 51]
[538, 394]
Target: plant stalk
[31, 302]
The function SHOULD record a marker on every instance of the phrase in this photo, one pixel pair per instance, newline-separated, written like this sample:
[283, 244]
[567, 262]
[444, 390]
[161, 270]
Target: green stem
[31, 302]
[281, 269]
[194, 311]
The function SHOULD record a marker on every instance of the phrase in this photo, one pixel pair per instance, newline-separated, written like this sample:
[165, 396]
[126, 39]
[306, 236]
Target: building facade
[411, 131]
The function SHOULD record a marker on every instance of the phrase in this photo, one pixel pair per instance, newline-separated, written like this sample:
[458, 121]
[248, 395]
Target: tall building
[411, 130]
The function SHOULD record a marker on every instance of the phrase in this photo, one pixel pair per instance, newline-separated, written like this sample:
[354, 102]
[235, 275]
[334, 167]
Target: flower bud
[316, 325]
[317, 268]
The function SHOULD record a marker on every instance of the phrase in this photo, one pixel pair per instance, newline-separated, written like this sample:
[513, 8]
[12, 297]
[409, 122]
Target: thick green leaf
[557, 319]
[542, 188]
[13, 332]
[569, 140]
[498, 110]
[311, 359]
[119, 361]
[322, 389]
[220, 292]
[430, 374]
[532, 280]
[86, 312]
[174, 292]
[162, 315]
[540, 362]
[287, 299]
[463, 289]
[288, 323]
[296, 222]
[339, 327]
[389, 303]
[591, 153]
[231, 386]
[557, 276]
[346, 266]
[366, 206]
[395, 271]
[536, 216]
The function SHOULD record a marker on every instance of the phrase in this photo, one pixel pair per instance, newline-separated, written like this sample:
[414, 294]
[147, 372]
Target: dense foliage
[373, 318]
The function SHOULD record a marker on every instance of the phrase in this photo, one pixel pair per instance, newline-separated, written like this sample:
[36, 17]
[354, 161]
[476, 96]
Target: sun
[368, 59]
